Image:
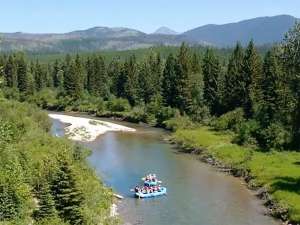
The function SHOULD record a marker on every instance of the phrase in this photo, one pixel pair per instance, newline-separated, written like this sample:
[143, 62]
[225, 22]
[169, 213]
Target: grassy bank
[277, 172]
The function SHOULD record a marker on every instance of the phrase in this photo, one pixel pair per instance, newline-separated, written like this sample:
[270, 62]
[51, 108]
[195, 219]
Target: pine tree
[2, 75]
[199, 110]
[150, 76]
[169, 82]
[97, 78]
[10, 72]
[78, 77]
[60, 78]
[234, 83]
[73, 77]
[195, 64]
[22, 74]
[67, 75]
[183, 80]
[252, 71]
[68, 199]
[89, 73]
[270, 85]
[155, 77]
[9, 203]
[30, 88]
[291, 61]
[55, 72]
[131, 85]
[120, 82]
[39, 76]
[114, 75]
[46, 204]
[146, 86]
[211, 72]
[49, 76]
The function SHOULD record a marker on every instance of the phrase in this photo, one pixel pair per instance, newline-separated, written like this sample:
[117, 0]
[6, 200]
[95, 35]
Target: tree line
[256, 97]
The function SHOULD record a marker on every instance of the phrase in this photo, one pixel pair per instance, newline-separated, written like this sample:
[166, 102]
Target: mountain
[93, 39]
[165, 30]
[263, 30]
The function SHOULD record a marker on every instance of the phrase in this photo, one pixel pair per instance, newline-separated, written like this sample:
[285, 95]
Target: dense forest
[255, 97]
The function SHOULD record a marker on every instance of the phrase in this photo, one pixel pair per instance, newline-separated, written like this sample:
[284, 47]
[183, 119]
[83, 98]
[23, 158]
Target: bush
[46, 99]
[230, 121]
[248, 133]
[51, 221]
[11, 93]
[275, 136]
[137, 114]
[179, 122]
[200, 114]
[8, 132]
[118, 105]
[164, 114]
[88, 103]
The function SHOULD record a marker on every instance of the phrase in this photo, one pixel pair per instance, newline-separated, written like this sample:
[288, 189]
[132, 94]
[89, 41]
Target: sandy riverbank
[84, 129]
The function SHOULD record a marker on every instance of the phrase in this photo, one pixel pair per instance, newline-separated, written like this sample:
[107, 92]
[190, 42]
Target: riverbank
[85, 129]
[275, 175]
[38, 172]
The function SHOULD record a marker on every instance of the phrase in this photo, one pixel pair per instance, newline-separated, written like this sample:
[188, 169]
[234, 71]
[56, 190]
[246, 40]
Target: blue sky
[42, 16]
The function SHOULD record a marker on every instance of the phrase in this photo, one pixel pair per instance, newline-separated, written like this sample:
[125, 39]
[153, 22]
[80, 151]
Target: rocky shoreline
[273, 208]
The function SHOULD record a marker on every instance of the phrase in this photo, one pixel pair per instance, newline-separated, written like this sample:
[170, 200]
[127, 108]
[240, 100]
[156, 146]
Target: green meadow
[277, 171]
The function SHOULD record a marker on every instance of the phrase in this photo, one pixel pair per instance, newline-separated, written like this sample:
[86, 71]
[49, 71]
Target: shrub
[118, 105]
[51, 221]
[200, 114]
[275, 136]
[64, 103]
[11, 93]
[231, 120]
[137, 114]
[179, 122]
[46, 99]
[8, 132]
[247, 133]
[90, 104]
[164, 114]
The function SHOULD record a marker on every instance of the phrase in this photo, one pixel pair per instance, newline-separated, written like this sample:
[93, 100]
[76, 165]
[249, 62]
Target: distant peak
[165, 30]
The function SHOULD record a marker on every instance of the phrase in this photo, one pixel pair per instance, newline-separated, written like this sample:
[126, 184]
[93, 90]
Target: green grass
[279, 172]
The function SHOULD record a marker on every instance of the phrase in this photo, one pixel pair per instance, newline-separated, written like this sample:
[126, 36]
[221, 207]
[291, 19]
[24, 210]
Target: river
[197, 193]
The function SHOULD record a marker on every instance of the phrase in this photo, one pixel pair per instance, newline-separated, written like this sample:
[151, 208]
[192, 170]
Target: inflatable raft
[163, 191]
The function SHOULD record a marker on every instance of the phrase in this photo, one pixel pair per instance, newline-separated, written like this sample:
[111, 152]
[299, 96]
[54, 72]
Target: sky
[58, 16]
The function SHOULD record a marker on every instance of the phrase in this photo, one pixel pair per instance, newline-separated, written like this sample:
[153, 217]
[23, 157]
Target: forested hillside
[45, 180]
[256, 97]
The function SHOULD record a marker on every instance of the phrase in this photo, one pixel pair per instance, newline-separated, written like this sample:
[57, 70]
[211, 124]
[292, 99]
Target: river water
[197, 193]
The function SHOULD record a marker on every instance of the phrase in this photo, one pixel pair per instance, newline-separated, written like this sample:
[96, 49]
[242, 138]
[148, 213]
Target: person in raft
[147, 190]
[151, 177]
[137, 189]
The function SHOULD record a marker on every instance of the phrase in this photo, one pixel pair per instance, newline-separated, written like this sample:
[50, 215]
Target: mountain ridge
[264, 30]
